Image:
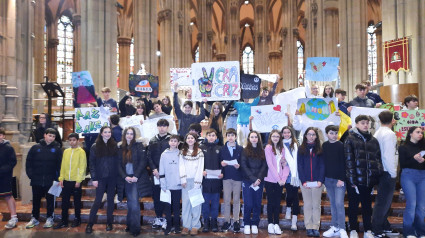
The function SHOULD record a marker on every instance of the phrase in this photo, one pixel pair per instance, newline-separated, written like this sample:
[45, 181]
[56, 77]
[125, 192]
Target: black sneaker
[167, 230]
[206, 227]
[391, 232]
[177, 230]
[236, 227]
[89, 228]
[381, 235]
[225, 226]
[214, 225]
[76, 223]
[60, 225]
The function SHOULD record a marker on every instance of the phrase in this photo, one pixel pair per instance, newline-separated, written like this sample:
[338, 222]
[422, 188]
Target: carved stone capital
[284, 32]
[52, 43]
[199, 36]
[209, 3]
[124, 41]
[76, 19]
[295, 32]
[275, 54]
[259, 7]
[304, 23]
[234, 37]
[234, 6]
[221, 57]
[314, 8]
[210, 35]
[260, 37]
[164, 15]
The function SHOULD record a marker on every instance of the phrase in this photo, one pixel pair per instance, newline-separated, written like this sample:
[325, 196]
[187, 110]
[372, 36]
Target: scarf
[291, 159]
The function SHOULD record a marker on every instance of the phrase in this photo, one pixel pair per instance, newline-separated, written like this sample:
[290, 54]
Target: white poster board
[133, 121]
[181, 76]
[289, 98]
[91, 119]
[374, 124]
[272, 78]
[149, 128]
[268, 117]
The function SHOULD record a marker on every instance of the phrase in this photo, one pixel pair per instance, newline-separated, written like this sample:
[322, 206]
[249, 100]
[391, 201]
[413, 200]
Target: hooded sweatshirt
[169, 174]
[74, 164]
[7, 159]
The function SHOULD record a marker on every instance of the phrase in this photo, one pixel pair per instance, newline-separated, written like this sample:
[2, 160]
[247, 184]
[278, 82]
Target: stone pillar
[330, 33]
[233, 30]
[261, 29]
[124, 59]
[206, 34]
[166, 60]
[39, 23]
[379, 54]
[76, 58]
[145, 35]
[290, 37]
[353, 41]
[52, 52]
[99, 42]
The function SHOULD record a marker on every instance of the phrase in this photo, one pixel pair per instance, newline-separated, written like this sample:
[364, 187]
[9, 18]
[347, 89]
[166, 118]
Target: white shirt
[387, 143]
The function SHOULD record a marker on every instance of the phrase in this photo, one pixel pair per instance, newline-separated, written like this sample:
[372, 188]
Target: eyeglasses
[311, 134]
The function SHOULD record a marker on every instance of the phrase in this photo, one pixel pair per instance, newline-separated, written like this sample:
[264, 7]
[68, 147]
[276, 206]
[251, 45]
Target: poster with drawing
[82, 85]
[371, 112]
[269, 117]
[406, 119]
[216, 81]
[149, 128]
[91, 119]
[133, 121]
[289, 98]
[321, 69]
[180, 76]
[143, 84]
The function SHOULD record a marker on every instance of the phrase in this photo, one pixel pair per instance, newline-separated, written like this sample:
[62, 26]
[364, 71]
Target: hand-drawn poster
[82, 84]
[216, 81]
[143, 84]
[250, 86]
[272, 78]
[289, 98]
[268, 117]
[391, 107]
[373, 113]
[322, 68]
[150, 129]
[181, 76]
[406, 119]
[317, 109]
[91, 119]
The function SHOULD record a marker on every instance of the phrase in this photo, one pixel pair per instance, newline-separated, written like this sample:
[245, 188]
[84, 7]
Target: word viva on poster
[88, 121]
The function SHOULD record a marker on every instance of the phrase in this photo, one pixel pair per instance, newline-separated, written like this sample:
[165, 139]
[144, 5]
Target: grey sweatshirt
[169, 174]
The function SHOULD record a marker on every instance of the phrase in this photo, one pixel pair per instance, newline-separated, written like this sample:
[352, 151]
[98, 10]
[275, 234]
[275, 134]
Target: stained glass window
[64, 58]
[372, 62]
[248, 60]
[300, 56]
[197, 55]
[45, 50]
[132, 56]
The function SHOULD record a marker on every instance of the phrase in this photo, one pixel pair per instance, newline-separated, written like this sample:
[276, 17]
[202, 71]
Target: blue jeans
[133, 207]
[251, 203]
[413, 184]
[383, 201]
[336, 197]
[210, 206]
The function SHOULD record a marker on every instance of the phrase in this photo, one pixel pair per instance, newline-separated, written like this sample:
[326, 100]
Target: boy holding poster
[244, 112]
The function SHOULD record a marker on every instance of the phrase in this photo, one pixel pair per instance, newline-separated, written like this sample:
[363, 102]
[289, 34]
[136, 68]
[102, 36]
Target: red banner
[397, 55]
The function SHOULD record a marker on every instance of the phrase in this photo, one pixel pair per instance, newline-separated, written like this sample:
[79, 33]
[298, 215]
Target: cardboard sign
[317, 109]
[250, 86]
[143, 84]
[149, 128]
[268, 117]
[406, 119]
[289, 98]
[216, 81]
[91, 119]
[82, 84]
[322, 68]
[373, 113]
[180, 76]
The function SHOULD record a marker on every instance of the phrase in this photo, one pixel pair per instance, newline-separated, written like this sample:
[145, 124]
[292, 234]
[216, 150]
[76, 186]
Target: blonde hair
[220, 118]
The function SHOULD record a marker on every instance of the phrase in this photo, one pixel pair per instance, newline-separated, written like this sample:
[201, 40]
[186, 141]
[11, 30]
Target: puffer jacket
[253, 168]
[362, 159]
[140, 162]
[102, 167]
[157, 145]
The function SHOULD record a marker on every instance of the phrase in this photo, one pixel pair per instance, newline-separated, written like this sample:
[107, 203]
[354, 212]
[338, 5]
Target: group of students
[355, 164]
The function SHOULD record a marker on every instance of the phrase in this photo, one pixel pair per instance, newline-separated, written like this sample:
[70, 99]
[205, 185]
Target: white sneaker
[333, 231]
[401, 191]
[33, 222]
[247, 230]
[116, 201]
[342, 233]
[156, 223]
[163, 223]
[254, 229]
[353, 234]
[49, 223]
[104, 198]
[11, 223]
[368, 234]
[288, 213]
[411, 236]
[270, 228]
[294, 223]
[277, 229]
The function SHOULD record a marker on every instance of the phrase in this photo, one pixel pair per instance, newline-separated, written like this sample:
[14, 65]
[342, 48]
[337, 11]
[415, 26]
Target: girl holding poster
[216, 119]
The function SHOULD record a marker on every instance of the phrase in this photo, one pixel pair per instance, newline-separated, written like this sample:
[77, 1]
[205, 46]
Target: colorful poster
[91, 119]
[250, 86]
[149, 128]
[143, 84]
[345, 123]
[82, 84]
[289, 99]
[396, 55]
[272, 78]
[322, 68]
[391, 107]
[406, 119]
[269, 117]
[373, 113]
[181, 76]
[317, 109]
[216, 81]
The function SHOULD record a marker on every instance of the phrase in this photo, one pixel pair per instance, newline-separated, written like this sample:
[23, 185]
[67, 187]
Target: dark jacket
[111, 103]
[269, 99]
[333, 154]
[406, 152]
[126, 110]
[39, 133]
[230, 172]
[7, 159]
[186, 119]
[375, 97]
[362, 159]
[102, 167]
[157, 145]
[43, 163]
[167, 109]
[212, 162]
[148, 105]
[117, 133]
[311, 167]
[253, 168]
[140, 162]
[359, 102]
[215, 125]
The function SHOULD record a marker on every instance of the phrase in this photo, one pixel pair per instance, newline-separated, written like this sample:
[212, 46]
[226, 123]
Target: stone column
[124, 59]
[233, 30]
[76, 58]
[52, 52]
[290, 37]
[206, 34]
[261, 29]
[39, 23]
[330, 33]
[99, 42]
[379, 54]
[166, 60]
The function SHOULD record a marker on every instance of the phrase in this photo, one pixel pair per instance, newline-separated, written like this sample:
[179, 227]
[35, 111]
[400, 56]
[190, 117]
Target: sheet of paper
[213, 174]
[195, 197]
[422, 153]
[255, 187]
[231, 162]
[156, 180]
[312, 184]
[165, 196]
[55, 189]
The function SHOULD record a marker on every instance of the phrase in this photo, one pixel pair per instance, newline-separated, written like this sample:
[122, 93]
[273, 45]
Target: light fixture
[158, 53]
[191, 23]
[246, 2]
[338, 45]
[246, 25]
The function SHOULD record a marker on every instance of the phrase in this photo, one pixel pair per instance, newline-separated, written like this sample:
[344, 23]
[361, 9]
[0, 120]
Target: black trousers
[292, 199]
[37, 193]
[105, 185]
[274, 196]
[68, 190]
[157, 204]
[354, 199]
[174, 207]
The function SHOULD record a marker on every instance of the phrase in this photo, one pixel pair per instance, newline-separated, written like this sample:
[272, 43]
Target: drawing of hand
[205, 83]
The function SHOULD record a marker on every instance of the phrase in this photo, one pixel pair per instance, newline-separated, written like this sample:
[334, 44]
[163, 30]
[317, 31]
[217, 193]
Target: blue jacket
[311, 167]
[117, 133]
[244, 111]
[230, 172]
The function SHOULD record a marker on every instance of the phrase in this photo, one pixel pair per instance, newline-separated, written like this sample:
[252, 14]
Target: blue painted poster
[322, 69]
[82, 84]
[143, 84]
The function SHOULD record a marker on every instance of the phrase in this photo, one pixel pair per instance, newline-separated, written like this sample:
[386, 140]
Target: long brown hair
[126, 148]
[220, 118]
[257, 152]
[105, 149]
[141, 106]
[169, 101]
[317, 149]
[279, 145]
[293, 139]
[186, 146]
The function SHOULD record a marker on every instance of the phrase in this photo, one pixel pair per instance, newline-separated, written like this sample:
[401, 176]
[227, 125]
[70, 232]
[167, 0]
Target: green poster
[407, 119]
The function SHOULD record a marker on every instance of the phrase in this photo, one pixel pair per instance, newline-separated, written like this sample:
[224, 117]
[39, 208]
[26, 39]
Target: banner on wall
[250, 86]
[143, 84]
[321, 69]
[406, 119]
[289, 99]
[269, 117]
[91, 119]
[216, 81]
[373, 113]
[181, 76]
[82, 84]
[396, 55]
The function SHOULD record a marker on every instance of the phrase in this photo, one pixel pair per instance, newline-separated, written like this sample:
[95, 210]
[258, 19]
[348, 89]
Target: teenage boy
[387, 144]
[157, 108]
[342, 105]
[411, 102]
[361, 100]
[232, 179]
[197, 128]
[116, 128]
[266, 97]
[373, 96]
[211, 186]
[107, 101]
[157, 145]
[72, 173]
[43, 167]
[333, 153]
[363, 168]
[244, 112]
[7, 163]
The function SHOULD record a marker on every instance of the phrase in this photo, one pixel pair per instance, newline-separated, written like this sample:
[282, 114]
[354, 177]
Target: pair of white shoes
[333, 231]
[294, 219]
[368, 234]
[250, 229]
[274, 229]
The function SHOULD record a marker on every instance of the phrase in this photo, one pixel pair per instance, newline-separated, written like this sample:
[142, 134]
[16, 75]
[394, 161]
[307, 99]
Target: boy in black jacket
[157, 145]
[43, 167]
[211, 186]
